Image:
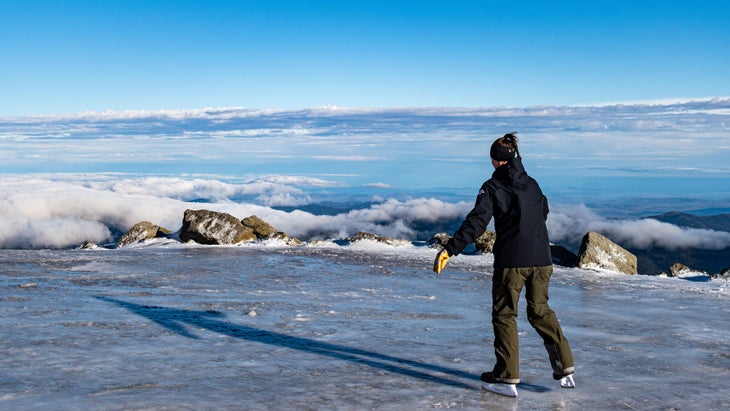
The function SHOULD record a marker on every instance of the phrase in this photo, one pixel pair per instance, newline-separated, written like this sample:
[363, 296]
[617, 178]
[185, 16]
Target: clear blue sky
[69, 56]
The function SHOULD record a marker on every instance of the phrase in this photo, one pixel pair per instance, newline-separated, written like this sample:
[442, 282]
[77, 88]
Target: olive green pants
[507, 285]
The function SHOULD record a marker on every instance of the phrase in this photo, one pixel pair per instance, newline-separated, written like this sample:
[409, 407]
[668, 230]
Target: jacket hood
[513, 173]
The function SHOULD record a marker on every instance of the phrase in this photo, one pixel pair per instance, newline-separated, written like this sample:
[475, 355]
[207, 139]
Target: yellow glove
[441, 259]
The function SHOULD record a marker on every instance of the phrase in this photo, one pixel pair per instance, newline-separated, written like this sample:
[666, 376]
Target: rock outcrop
[141, 231]
[265, 231]
[485, 242]
[678, 269]
[723, 275]
[260, 228]
[439, 240]
[361, 235]
[215, 228]
[87, 245]
[598, 252]
[562, 256]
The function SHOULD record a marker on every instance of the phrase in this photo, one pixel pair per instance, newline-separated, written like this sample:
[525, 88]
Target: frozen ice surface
[340, 328]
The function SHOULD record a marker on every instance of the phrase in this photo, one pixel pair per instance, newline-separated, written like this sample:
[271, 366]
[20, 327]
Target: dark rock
[562, 256]
[211, 227]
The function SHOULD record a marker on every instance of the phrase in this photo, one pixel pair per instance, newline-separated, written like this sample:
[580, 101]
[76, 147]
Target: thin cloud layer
[638, 139]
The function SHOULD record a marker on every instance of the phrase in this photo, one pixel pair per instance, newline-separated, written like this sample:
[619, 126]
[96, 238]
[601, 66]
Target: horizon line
[334, 109]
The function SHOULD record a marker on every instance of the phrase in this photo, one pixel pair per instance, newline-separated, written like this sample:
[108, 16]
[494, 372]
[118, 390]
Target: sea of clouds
[60, 212]
[66, 179]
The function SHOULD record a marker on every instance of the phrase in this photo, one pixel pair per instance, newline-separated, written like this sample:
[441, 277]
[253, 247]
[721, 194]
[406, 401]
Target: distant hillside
[327, 207]
[719, 222]
[656, 259]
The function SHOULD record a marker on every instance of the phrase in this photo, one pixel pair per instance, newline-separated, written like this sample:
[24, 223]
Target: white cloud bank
[568, 223]
[43, 212]
[58, 213]
[266, 190]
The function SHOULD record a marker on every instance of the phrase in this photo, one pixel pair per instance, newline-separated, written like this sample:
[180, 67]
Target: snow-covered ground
[258, 327]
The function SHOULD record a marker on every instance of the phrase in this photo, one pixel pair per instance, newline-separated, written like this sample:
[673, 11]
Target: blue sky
[71, 56]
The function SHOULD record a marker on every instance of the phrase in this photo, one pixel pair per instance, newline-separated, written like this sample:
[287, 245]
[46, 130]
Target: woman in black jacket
[521, 259]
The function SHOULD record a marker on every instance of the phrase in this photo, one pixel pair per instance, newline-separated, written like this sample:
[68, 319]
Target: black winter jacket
[519, 209]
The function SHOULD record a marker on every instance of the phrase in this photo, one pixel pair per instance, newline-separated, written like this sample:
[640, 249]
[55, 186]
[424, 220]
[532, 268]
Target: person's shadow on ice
[175, 320]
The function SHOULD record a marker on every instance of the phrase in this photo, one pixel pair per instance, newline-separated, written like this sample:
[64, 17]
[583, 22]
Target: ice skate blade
[508, 390]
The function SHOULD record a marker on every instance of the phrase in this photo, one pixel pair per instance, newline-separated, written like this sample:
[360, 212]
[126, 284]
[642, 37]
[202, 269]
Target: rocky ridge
[597, 252]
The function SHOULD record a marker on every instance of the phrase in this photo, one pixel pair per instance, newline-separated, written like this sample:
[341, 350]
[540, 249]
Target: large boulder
[598, 252]
[141, 231]
[265, 231]
[211, 227]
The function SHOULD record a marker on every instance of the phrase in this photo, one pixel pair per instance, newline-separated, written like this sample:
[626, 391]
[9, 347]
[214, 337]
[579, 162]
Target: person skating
[521, 259]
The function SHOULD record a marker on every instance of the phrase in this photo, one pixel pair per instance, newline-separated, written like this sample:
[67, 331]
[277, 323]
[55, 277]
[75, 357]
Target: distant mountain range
[327, 207]
[656, 260]
[719, 222]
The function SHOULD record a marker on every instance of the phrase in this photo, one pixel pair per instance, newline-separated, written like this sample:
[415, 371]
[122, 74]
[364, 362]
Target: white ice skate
[509, 390]
[567, 382]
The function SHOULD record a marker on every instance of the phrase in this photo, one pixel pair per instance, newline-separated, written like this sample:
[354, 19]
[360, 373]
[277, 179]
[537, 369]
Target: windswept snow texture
[261, 327]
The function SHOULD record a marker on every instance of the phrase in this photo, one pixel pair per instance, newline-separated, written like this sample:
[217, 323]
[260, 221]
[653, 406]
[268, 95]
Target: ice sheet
[310, 328]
